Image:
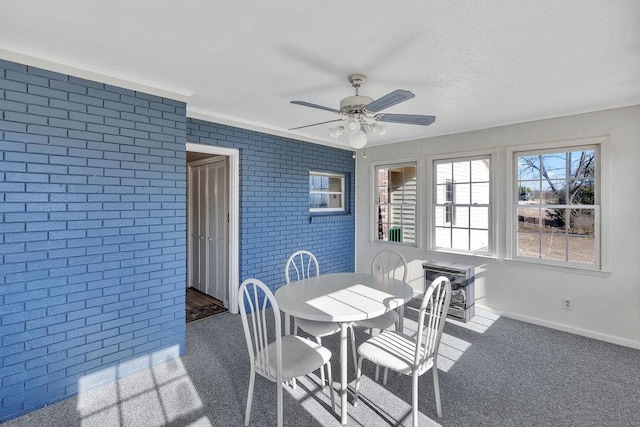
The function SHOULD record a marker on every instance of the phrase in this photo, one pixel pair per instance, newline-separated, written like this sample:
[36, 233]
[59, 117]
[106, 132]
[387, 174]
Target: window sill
[387, 242]
[530, 264]
[315, 219]
[553, 267]
[465, 254]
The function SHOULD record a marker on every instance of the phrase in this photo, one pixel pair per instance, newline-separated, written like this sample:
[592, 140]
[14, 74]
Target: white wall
[606, 305]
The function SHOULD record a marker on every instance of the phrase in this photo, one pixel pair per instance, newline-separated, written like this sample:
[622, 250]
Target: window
[326, 192]
[556, 210]
[395, 203]
[461, 205]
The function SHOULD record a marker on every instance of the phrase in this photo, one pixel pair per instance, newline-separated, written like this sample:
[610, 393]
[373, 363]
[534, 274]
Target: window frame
[432, 162]
[342, 193]
[598, 145]
[374, 197]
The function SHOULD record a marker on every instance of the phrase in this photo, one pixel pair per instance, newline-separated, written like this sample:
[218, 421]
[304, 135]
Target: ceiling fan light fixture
[353, 124]
[336, 131]
[358, 139]
[377, 129]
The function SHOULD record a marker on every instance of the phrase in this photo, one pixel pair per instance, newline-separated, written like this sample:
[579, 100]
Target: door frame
[234, 214]
[190, 239]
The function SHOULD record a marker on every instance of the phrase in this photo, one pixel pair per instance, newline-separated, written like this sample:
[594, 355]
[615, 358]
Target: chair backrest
[254, 300]
[301, 265]
[436, 300]
[390, 263]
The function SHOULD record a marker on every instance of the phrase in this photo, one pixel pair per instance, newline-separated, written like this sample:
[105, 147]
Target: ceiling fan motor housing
[354, 104]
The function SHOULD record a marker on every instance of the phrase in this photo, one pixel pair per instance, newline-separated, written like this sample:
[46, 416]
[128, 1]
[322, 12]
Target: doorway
[212, 224]
[208, 217]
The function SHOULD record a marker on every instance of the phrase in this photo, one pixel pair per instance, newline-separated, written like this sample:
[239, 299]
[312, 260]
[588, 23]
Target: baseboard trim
[565, 328]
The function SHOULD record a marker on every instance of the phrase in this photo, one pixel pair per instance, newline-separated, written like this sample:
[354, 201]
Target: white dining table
[343, 298]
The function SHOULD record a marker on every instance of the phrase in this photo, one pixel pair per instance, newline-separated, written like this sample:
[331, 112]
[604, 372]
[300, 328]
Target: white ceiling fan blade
[389, 100]
[316, 124]
[408, 119]
[308, 104]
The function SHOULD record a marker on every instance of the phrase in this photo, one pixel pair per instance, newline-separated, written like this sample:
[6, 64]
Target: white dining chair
[412, 355]
[273, 356]
[391, 264]
[302, 265]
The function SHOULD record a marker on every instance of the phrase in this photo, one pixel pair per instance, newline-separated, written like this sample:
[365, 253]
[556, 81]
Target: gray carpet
[494, 371]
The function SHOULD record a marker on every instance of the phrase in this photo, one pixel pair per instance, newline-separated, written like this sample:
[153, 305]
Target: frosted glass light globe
[353, 124]
[378, 129]
[358, 139]
[336, 132]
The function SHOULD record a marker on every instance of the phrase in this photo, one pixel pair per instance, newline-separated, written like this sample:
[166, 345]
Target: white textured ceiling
[472, 64]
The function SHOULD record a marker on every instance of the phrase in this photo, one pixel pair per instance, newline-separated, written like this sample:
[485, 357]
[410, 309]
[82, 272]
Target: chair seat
[317, 328]
[380, 322]
[299, 357]
[394, 351]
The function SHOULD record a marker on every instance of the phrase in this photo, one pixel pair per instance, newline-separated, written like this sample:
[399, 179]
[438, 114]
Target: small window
[461, 206]
[326, 192]
[395, 203]
[556, 206]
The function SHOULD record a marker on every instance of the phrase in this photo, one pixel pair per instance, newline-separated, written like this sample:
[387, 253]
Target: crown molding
[39, 59]
[196, 113]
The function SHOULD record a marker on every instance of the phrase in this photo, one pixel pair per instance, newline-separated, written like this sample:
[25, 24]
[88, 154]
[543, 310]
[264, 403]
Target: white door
[196, 235]
[217, 226]
[209, 227]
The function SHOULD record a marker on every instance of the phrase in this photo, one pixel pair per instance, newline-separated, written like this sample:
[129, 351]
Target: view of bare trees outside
[556, 206]
[396, 203]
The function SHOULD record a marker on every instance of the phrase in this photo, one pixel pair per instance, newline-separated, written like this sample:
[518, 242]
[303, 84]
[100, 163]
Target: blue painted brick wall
[92, 196]
[274, 201]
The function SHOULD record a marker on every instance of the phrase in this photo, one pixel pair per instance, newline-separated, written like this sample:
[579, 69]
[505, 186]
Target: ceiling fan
[363, 115]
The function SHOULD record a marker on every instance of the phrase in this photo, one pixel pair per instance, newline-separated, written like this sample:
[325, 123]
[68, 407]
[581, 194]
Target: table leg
[401, 319]
[343, 373]
[287, 324]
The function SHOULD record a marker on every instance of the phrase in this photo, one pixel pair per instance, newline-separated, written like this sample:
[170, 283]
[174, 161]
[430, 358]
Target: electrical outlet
[567, 303]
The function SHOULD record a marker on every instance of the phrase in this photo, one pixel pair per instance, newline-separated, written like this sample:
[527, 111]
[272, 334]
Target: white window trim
[454, 157]
[601, 240]
[374, 215]
[343, 180]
